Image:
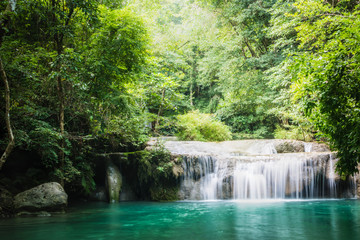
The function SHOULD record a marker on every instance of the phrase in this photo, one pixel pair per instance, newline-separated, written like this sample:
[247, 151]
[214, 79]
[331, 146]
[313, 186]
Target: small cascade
[257, 171]
[307, 146]
[200, 178]
[331, 178]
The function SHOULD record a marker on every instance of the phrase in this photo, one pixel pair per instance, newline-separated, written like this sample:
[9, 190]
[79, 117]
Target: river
[185, 220]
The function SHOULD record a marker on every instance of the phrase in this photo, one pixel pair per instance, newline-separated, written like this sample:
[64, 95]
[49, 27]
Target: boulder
[6, 203]
[49, 197]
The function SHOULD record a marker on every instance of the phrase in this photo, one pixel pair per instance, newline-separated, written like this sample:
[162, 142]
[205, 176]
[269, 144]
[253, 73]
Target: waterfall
[256, 171]
[204, 171]
[307, 147]
[292, 177]
[285, 178]
[332, 184]
[113, 181]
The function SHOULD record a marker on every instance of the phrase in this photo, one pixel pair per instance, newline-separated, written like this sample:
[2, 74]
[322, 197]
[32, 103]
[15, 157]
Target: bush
[294, 133]
[201, 127]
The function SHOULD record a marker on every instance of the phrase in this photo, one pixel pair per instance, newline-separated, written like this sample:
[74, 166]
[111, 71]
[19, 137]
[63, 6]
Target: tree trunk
[10, 8]
[160, 109]
[191, 95]
[61, 97]
[11, 143]
[243, 52]
[253, 54]
[59, 42]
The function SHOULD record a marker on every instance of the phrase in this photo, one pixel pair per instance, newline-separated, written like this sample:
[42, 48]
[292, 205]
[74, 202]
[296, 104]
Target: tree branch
[11, 143]
[10, 8]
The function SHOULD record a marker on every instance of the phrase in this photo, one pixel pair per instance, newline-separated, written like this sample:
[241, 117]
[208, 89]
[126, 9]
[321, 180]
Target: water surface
[313, 219]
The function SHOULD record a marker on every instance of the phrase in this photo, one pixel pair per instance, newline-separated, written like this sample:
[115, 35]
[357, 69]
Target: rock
[227, 188]
[33, 214]
[6, 203]
[49, 197]
[99, 195]
[319, 147]
[127, 194]
[113, 181]
[358, 182]
[177, 170]
[293, 146]
[289, 146]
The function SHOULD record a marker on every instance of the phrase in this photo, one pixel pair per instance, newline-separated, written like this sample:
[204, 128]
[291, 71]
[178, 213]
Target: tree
[70, 66]
[61, 14]
[326, 74]
[3, 22]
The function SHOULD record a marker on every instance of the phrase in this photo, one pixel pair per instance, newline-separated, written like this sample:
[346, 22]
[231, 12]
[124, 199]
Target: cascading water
[254, 170]
[292, 177]
[307, 147]
[331, 179]
[204, 171]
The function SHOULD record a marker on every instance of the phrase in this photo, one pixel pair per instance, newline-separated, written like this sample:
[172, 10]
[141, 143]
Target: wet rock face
[293, 146]
[289, 147]
[320, 147]
[99, 194]
[113, 181]
[177, 170]
[45, 197]
[6, 203]
[227, 188]
[358, 182]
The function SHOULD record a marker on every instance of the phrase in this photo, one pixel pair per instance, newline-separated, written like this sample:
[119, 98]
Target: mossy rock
[6, 203]
[164, 194]
[289, 147]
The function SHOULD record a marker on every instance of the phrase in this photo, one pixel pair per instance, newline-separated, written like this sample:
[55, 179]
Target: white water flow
[255, 170]
[307, 147]
[291, 177]
[331, 179]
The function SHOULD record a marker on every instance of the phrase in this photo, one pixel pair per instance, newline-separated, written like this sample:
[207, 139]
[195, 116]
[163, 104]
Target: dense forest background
[89, 77]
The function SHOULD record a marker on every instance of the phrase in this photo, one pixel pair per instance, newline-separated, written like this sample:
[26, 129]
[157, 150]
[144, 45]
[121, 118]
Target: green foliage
[95, 51]
[155, 174]
[293, 132]
[130, 67]
[120, 34]
[326, 74]
[201, 127]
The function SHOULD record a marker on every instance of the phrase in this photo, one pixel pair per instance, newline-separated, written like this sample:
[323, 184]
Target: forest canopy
[89, 76]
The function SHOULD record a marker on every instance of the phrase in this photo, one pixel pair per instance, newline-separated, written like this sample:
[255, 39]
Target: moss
[154, 179]
[161, 193]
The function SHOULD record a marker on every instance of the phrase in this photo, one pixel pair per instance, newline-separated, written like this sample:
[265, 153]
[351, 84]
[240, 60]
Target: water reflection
[337, 219]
